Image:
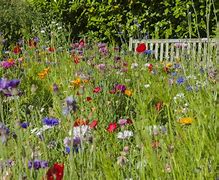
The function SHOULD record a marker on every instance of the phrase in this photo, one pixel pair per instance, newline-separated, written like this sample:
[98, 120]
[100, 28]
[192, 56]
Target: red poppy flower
[51, 49]
[76, 59]
[166, 69]
[17, 50]
[112, 127]
[56, 172]
[88, 99]
[129, 121]
[97, 89]
[93, 124]
[141, 48]
[159, 106]
[150, 67]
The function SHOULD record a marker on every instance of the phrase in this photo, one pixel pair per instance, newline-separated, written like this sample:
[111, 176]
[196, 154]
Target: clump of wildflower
[43, 73]
[103, 48]
[112, 127]
[55, 87]
[24, 125]
[125, 134]
[50, 121]
[97, 89]
[180, 80]
[71, 105]
[120, 88]
[55, 172]
[128, 92]
[9, 87]
[8, 63]
[37, 164]
[123, 122]
[76, 82]
[185, 120]
[80, 133]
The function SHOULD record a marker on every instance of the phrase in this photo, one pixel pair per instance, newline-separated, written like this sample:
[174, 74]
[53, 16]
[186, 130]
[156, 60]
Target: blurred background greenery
[112, 21]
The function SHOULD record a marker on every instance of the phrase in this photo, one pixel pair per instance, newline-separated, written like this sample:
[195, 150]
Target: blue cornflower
[68, 149]
[24, 124]
[173, 73]
[148, 52]
[180, 80]
[50, 121]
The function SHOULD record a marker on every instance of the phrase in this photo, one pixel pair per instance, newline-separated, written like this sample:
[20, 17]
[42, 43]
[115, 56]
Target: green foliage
[110, 20]
[15, 18]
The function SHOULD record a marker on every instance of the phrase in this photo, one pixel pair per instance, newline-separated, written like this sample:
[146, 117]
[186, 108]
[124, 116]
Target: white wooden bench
[170, 49]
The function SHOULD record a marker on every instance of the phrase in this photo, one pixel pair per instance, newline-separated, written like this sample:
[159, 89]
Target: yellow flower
[46, 70]
[10, 60]
[128, 92]
[76, 82]
[42, 75]
[169, 65]
[186, 120]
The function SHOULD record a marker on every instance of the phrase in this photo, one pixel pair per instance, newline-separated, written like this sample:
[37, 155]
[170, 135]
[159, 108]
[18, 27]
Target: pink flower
[93, 124]
[122, 122]
[112, 127]
[97, 89]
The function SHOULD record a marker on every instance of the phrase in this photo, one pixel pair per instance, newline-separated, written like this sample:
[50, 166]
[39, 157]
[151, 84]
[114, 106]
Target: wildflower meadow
[87, 109]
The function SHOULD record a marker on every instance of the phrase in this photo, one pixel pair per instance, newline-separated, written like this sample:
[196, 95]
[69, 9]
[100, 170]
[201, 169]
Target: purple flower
[148, 52]
[50, 121]
[55, 87]
[7, 64]
[3, 84]
[120, 87]
[68, 149]
[44, 164]
[36, 39]
[13, 83]
[37, 164]
[24, 124]
[8, 84]
[176, 66]
[4, 132]
[71, 104]
[180, 80]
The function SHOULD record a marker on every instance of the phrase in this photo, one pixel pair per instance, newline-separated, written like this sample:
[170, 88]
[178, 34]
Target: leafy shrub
[119, 20]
